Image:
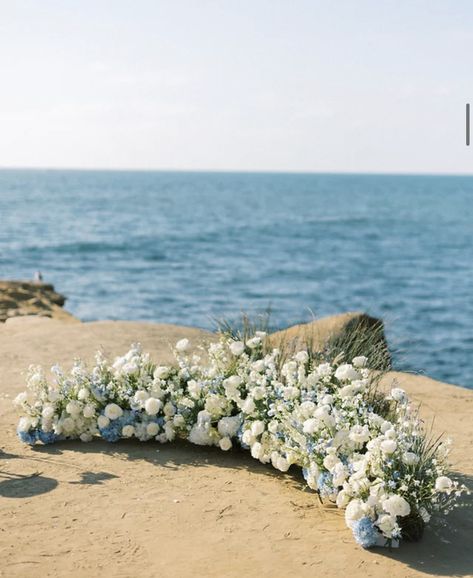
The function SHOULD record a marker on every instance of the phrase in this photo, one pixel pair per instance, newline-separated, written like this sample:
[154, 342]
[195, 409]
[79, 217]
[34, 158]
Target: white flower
[128, 431]
[169, 410]
[398, 394]
[310, 425]
[113, 411]
[225, 444]
[247, 438]
[388, 446]
[253, 342]
[153, 405]
[140, 396]
[48, 412]
[74, 408]
[324, 370]
[359, 434]
[161, 372]
[86, 437]
[248, 406]
[346, 372]
[258, 365]
[200, 435]
[387, 524]
[343, 499]
[257, 451]
[68, 425]
[228, 426]
[355, 510]
[257, 428]
[103, 421]
[424, 514]
[24, 424]
[237, 348]
[89, 411]
[396, 506]
[410, 458]
[282, 464]
[152, 429]
[302, 356]
[83, 394]
[360, 361]
[443, 484]
[194, 388]
[182, 345]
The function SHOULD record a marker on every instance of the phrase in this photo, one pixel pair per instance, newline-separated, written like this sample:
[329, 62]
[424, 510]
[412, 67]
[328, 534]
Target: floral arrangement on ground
[362, 449]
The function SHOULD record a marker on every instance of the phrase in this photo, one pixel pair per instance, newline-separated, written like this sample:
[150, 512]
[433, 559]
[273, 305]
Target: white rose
[396, 506]
[282, 464]
[153, 405]
[247, 438]
[140, 396]
[386, 524]
[128, 431]
[182, 345]
[237, 348]
[103, 421]
[113, 411]
[225, 444]
[89, 411]
[360, 361]
[443, 484]
[388, 446]
[152, 429]
[302, 356]
[83, 394]
[169, 410]
[257, 428]
[161, 372]
[410, 458]
[48, 412]
[24, 424]
[74, 408]
[257, 451]
[249, 405]
[346, 372]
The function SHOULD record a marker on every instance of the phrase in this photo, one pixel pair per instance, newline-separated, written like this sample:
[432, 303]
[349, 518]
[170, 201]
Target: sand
[146, 510]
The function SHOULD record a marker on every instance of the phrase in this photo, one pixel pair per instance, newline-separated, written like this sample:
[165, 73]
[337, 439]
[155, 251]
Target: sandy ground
[147, 510]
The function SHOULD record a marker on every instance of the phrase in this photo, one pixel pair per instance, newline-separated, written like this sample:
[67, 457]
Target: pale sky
[287, 85]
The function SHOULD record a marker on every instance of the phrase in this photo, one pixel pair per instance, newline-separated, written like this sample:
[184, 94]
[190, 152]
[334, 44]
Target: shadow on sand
[445, 549]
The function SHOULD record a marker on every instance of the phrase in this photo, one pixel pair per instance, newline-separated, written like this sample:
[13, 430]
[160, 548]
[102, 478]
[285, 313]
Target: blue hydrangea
[47, 437]
[324, 484]
[28, 437]
[365, 533]
[113, 432]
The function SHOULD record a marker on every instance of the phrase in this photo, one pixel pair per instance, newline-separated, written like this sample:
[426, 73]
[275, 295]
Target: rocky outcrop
[352, 334]
[20, 298]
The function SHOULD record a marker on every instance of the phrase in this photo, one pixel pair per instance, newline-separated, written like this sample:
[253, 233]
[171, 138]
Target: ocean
[187, 248]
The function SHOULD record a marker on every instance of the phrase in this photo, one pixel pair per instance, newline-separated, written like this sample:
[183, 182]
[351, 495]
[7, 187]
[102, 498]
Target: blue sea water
[188, 247]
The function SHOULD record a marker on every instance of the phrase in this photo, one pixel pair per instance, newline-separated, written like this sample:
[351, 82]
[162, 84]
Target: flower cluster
[362, 449]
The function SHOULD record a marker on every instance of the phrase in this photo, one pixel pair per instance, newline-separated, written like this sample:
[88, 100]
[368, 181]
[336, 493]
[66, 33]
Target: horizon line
[234, 171]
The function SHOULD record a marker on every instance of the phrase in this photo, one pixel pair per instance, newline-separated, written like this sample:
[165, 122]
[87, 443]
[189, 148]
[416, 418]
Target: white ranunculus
[237, 348]
[182, 345]
[113, 411]
[443, 484]
[128, 431]
[152, 429]
[396, 505]
[360, 361]
[225, 444]
[257, 428]
[153, 405]
[346, 372]
[103, 421]
[388, 446]
[302, 357]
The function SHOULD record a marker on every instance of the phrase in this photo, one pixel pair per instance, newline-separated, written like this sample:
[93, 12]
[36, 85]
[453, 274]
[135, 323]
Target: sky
[251, 85]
